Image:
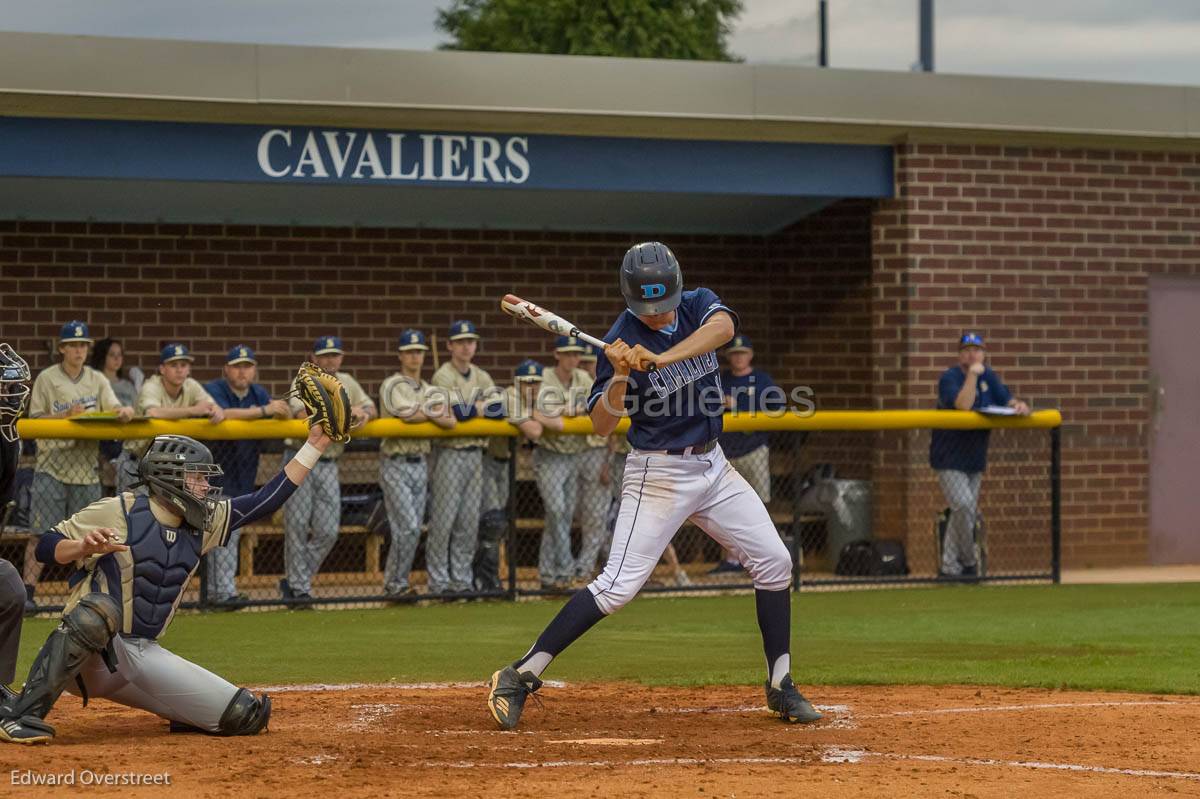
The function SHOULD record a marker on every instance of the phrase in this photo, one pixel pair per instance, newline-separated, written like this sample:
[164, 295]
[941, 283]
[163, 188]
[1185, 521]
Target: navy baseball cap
[412, 340]
[970, 339]
[74, 330]
[326, 345]
[528, 370]
[241, 354]
[568, 344]
[175, 352]
[589, 353]
[739, 344]
[463, 329]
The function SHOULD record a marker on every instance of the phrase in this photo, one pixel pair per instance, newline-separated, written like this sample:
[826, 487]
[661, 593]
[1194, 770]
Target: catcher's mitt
[326, 400]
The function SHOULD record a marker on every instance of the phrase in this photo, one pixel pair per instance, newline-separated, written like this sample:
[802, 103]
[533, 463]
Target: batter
[661, 369]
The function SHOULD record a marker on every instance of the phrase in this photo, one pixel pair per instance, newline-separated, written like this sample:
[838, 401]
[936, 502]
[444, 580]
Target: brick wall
[1048, 252]
[803, 294]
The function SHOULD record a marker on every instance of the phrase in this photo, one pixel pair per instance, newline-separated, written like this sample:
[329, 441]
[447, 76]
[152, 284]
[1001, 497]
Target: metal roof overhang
[580, 109]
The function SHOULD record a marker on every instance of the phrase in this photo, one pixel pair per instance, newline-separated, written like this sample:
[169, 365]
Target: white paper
[998, 410]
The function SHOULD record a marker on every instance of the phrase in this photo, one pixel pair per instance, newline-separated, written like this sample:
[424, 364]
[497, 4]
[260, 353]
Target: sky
[1135, 41]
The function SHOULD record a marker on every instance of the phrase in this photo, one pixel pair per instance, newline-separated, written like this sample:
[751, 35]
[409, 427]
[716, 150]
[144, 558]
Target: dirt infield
[622, 740]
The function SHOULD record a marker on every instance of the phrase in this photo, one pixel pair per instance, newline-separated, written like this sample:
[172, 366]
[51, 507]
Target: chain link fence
[510, 518]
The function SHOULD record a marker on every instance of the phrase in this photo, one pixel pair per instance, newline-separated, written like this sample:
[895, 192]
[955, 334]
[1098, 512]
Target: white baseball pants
[658, 494]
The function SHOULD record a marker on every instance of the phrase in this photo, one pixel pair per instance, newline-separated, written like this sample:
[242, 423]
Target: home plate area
[629, 740]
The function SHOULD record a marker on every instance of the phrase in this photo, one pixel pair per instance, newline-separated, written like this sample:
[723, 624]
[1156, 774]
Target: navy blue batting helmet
[651, 279]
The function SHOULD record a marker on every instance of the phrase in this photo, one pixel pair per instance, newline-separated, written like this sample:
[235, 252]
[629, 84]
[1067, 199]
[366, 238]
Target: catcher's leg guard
[86, 630]
[245, 715]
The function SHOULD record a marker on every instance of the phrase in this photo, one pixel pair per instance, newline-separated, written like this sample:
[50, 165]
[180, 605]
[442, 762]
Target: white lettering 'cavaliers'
[370, 155]
[669, 379]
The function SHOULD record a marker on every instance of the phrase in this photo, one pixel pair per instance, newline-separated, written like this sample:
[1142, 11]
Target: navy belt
[697, 449]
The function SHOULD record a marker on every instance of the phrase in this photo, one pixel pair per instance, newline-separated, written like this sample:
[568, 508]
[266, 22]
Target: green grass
[1143, 638]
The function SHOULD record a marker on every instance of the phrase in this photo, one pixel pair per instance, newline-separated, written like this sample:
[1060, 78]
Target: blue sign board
[136, 150]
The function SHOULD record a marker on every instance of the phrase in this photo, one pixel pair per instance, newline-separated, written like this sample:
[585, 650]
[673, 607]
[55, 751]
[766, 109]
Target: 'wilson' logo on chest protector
[666, 380]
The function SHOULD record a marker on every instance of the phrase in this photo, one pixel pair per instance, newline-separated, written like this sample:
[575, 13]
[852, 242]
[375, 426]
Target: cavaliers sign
[395, 157]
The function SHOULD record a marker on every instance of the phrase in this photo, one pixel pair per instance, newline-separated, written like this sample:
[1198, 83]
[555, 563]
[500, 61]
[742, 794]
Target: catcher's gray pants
[152, 678]
[12, 605]
[756, 468]
[558, 483]
[594, 499]
[962, 494]
[310, 523]
[453, 518]
[404, 486]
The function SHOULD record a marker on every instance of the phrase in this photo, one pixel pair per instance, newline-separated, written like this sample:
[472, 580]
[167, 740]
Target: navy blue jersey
[238, 459]
[965, 450]
[752, 392]
[679, 405]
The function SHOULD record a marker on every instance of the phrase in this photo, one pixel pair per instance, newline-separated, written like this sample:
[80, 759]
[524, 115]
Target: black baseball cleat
[26, 730]
[789, 704]
[6, 695]
[508, 693]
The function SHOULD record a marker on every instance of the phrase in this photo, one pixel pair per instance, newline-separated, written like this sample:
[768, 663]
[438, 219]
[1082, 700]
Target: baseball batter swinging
[134, 556]
[662, 370]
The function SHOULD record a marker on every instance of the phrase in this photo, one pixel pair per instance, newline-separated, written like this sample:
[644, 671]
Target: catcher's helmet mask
[651, 280]
[166, 468]
[14, 391]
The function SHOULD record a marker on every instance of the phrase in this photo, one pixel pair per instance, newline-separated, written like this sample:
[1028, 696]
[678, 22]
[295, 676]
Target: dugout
[857, 220]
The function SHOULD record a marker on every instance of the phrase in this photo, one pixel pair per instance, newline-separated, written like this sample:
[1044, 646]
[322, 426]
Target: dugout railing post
[510, 543]
[1056, 504]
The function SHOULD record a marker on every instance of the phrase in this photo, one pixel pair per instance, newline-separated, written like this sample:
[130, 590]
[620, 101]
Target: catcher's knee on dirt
[85, 630]
[246, 714]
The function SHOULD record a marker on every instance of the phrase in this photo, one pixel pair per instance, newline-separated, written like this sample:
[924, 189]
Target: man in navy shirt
[661, 370]
[748, 390]
[241, 398]
[960, 456]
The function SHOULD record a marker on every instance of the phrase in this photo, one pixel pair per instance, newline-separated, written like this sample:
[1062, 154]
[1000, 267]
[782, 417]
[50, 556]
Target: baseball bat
[513, 305]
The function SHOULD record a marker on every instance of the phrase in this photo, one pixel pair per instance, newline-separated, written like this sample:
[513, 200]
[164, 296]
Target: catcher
[134, 556]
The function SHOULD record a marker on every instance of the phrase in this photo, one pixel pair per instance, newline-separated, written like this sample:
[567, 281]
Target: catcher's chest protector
[163, 562]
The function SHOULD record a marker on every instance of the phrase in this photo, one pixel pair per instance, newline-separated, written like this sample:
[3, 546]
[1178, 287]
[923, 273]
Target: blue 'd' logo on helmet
[652, 291]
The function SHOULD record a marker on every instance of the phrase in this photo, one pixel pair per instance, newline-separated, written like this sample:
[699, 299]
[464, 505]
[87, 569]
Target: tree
[687, 29]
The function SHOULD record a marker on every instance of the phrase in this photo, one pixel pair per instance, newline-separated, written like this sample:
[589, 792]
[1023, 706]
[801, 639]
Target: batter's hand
[615, 353]
[640, 359]
[101, 541]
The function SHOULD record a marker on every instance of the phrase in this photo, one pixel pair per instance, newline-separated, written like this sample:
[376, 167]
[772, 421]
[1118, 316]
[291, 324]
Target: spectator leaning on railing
[456, 484]
[960, 456]
[108, 357]
[170, 394]
[65, 477]
[404, 472]
[557, 464]
[240, 398]
[313, 516]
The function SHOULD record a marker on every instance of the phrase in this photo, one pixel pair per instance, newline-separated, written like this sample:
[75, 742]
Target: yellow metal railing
[394, 428]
